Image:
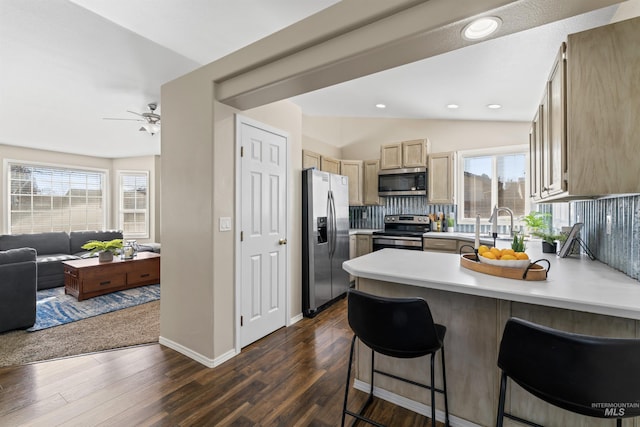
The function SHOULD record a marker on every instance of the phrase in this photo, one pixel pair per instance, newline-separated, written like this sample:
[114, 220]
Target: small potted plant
[105, 249]
[536, 221]
[451, 224]
[549, 241]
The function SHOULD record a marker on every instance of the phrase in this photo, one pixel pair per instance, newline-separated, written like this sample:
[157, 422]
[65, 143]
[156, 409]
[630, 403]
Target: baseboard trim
[412, 405]
[206, 361]
[296, 319]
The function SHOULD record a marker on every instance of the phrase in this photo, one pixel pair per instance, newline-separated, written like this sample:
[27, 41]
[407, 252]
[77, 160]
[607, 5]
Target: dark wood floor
[293, 377]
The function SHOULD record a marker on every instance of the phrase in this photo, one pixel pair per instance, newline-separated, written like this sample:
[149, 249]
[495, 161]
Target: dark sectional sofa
[32, 262]
[17, 288]
[54, 248]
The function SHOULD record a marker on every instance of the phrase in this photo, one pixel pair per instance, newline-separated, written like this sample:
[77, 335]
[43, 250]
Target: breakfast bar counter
[579, 295]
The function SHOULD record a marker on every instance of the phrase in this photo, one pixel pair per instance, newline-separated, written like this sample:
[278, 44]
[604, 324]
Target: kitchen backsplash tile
[621, 248]
[373, 216]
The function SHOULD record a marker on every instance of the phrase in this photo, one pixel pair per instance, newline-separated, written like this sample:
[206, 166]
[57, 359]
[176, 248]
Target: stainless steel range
[402, 232]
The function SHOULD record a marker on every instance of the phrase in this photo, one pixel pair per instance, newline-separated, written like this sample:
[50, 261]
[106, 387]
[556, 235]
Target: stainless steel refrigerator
[325, 239]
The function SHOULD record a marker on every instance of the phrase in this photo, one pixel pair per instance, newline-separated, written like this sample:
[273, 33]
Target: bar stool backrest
[594, 376]
[397, 327]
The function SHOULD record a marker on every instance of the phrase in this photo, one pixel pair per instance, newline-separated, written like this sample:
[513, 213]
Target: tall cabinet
[441, 178]
[584, 139]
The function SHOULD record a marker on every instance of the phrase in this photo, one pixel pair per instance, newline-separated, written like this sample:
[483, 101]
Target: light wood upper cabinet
[353, 170]
[535, 156]
[590, 123]
[370, 189]
[328, 164]
[391, 156]
[408, 154]
[441, 178]
[554, 140]
[414, 153]
[310, 160]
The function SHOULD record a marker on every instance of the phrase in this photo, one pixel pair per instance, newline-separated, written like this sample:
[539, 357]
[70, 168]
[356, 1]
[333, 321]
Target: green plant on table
[103, 246]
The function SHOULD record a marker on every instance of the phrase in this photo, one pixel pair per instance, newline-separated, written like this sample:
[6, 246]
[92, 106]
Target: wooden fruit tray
[533, 272]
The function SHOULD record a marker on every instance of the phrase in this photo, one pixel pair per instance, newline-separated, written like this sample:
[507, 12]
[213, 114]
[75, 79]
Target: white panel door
[264, 219]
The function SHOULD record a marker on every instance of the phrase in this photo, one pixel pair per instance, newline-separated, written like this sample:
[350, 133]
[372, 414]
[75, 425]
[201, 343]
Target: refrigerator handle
[331, 225]
[335, 224]
[329, 222]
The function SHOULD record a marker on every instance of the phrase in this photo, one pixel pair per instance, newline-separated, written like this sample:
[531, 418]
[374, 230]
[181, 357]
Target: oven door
[397, 242]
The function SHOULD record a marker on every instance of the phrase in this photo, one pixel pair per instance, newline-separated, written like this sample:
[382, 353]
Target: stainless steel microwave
[402, 182]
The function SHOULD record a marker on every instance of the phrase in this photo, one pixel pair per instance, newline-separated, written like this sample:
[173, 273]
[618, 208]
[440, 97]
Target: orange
[489, 254]
[482, 249]
[522, 255]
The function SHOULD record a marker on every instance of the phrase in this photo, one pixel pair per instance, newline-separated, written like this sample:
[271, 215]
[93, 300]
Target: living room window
[134, 204]
[492, 177]
[50, 198]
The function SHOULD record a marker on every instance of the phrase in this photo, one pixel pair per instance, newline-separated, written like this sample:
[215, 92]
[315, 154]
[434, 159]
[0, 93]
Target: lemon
[482, 249]
[508, 251]
[496, 252]
[508, 257]
[522, 255]
[489, 254]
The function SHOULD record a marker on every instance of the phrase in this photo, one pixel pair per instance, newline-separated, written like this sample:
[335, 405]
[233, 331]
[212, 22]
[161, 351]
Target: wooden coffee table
[88, 278]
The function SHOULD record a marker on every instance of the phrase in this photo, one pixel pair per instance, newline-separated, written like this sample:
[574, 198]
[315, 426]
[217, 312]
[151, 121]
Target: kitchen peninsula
[579, 295]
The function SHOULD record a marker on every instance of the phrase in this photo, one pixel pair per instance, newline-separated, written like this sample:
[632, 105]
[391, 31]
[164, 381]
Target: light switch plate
[225, 223]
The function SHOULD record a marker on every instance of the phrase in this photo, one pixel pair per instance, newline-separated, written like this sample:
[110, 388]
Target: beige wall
[9, 152]
[322, 135]
[360, 138]
[186, 203]
[198, 261]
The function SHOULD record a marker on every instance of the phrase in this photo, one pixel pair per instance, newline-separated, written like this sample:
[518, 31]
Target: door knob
[282, 241]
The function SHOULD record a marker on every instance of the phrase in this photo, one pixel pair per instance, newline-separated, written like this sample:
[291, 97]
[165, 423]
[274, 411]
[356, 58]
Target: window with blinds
[492, 177]
[50, 198]
[134, 204]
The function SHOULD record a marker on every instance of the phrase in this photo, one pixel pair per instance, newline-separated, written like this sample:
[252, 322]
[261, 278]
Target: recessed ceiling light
[494, 106]
[453, 106]
[481, 28]
[381, 106]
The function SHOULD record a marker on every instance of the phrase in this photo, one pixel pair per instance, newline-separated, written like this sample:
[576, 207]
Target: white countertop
[573, 283]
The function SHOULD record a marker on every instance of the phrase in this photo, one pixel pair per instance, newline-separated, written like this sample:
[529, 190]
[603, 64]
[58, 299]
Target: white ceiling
[65, 65]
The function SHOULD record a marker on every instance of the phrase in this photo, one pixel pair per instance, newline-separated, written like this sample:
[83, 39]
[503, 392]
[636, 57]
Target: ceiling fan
[151, 119]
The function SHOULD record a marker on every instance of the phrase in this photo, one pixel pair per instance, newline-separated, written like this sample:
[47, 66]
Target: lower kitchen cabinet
[438, 244]
[364, 244]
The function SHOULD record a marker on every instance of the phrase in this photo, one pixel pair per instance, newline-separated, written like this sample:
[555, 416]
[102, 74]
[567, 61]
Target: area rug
[54, 308]
[123, 328]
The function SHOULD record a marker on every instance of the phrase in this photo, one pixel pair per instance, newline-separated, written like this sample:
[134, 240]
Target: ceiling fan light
[151, 128]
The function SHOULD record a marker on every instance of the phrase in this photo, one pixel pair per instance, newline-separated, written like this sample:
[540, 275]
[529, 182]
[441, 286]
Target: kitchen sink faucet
[494, 220]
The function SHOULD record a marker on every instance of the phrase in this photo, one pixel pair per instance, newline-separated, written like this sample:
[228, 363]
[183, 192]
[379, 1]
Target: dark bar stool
[396, 327]
[594, 376]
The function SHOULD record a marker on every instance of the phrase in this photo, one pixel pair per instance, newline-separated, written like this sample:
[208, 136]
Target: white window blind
[49, 198]
[134, 204]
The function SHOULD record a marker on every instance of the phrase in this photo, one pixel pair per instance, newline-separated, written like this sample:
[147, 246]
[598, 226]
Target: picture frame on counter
[574, 239]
